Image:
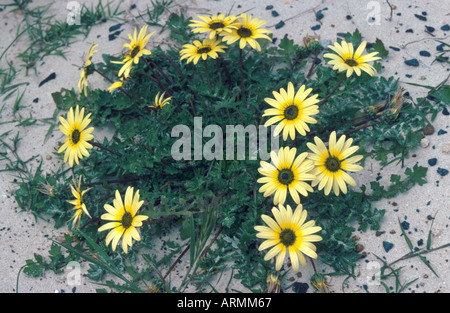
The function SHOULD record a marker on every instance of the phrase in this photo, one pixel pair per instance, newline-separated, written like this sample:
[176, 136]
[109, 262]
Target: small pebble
[440, 47]
[279, 25]
[442, 171]
[348, 17]
[429, 29]
[425, 142]
[428, 130]
[432, 161]
[445, 111]
[300, 287]
[359, 247]
[425, 53]
[394, 48]
[420, 242]
[275, 13]
[35, 100]
[412, 62]
[387, 246]
[319, 15]
[441, 132]
[49, 78]
[269, 7]
[405, 225]
[409, 30]
[446, 27]
[115, 27]
[420, 17]
[317, 27]
[114, 35]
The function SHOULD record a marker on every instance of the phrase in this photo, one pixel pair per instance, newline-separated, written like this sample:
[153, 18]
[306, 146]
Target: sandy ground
[21, 235]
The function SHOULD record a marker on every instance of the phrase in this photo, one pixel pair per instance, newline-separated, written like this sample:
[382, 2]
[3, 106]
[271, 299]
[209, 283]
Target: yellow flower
[137, 50]
[292, 110]
[349, 60]
[288, 173]
[288, 233]
[82, 83]
[116, 85]
[159, 102]
[332, 164]
[215, 24]
[123, 219]
[79, 206]
[78, 135]
[247, 30]
[207, 48]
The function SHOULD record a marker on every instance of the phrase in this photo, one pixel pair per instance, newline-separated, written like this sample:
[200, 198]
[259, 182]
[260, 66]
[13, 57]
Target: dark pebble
[432, 161]
[133, 6]
[412, 62]
[275, 13]
[428, 130]
[425, 53]
[279, 25]
[429, 29]
[440, 47]
[394, 48]
[405, 225]
[269, 7]
[300, 287]
[420, 242]
[341, 35]
[49, 78]
[446, 27]
[348, 17]
[317, 27]
[113, 36]
[115, 27]
[36, 100]
[442, 171]
[387, 246]
[409, 30]
[420, 17]
[408, 75]
[445, 111]
[441, 132]
[319, 15]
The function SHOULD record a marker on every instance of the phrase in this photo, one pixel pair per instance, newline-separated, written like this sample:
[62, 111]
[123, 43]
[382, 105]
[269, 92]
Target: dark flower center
[244, 32]
[291, 112]
[285, 176]
[127, 220]
[76, 136]
[287, 237]
[203, 50]
[351, 62]
[134, 52]
[216, 25]
[332, 164]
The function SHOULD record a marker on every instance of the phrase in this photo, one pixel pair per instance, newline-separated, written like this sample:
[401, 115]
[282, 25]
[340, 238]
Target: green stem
[332, 92]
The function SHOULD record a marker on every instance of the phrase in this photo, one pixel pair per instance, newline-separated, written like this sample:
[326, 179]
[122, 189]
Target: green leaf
[378, 46]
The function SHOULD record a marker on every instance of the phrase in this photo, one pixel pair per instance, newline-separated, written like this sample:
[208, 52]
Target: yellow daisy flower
[137, 50]
[288, 233]
[82, 83]
[160, 102]
[78, 135]
[116, 85]
[207, 48]
[332, 164]
[247, 30]
[292, 110]
[288, 173]
[123, 219]
[79, 206]
[215, 24]
[349, 60]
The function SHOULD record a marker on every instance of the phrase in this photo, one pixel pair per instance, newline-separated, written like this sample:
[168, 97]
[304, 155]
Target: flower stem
[207, 74]
[120, 88]
[95, 144]
[241, 69]
[332, 92]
